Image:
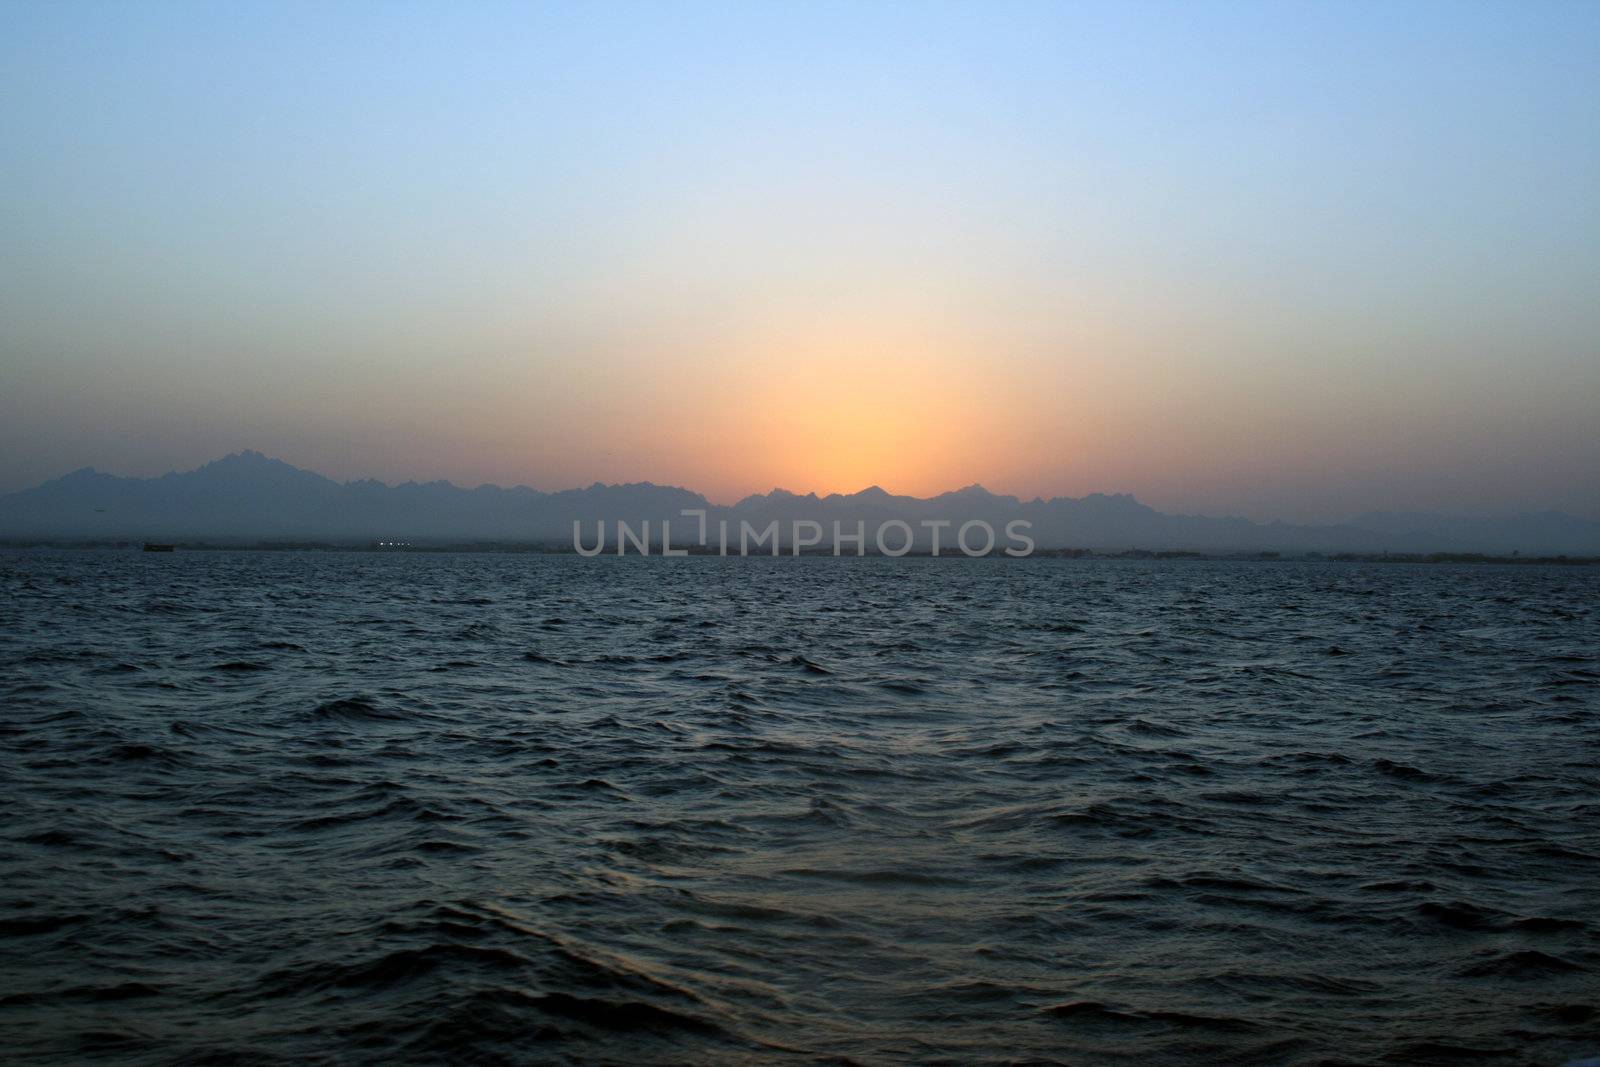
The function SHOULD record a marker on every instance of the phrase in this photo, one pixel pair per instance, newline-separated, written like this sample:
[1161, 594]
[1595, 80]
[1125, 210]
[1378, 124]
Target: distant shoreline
[546, 548]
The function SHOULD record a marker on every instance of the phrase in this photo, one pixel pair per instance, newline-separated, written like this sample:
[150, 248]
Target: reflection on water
[514, 809]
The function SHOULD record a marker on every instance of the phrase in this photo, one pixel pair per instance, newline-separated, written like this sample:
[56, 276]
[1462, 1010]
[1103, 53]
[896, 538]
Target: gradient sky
[1281, 260]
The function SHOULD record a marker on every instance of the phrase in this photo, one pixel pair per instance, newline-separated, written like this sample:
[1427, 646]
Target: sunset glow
[1053, 249]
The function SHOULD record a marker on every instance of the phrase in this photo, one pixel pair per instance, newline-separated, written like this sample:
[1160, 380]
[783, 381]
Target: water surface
[519, 809]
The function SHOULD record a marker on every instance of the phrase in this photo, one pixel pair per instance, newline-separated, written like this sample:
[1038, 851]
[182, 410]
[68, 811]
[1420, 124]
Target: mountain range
[248, 497]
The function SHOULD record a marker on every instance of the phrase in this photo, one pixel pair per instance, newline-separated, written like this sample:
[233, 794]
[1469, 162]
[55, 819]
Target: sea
[452, 808]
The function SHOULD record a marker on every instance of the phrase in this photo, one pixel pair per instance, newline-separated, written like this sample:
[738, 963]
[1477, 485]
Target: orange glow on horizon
[836, 412]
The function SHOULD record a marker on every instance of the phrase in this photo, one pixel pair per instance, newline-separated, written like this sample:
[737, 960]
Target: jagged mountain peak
[248, 495]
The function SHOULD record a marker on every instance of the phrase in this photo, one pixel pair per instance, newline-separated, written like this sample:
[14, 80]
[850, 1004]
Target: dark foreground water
[502, 809]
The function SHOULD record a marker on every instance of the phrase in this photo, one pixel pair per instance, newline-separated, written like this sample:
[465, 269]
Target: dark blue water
[510, 809]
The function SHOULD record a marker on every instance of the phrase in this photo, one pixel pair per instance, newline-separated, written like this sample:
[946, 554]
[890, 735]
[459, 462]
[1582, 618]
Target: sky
[1280, 260]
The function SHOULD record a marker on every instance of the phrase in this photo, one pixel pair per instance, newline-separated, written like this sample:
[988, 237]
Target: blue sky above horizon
[1285, 260]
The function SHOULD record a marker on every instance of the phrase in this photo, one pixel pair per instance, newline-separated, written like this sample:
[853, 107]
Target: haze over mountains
[248, 497]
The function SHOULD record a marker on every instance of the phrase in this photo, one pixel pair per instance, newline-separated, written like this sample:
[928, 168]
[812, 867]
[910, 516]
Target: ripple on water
[333, 807]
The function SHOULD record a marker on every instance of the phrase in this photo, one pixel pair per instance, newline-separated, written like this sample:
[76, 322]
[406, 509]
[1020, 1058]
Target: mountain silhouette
[250, 497]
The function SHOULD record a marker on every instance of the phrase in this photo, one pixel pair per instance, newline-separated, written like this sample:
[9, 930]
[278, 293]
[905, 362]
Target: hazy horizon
[1329, 516]
[247, 463]
[1282, 262]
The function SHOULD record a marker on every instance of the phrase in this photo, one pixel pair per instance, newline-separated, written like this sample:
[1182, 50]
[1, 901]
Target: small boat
[153, 546]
